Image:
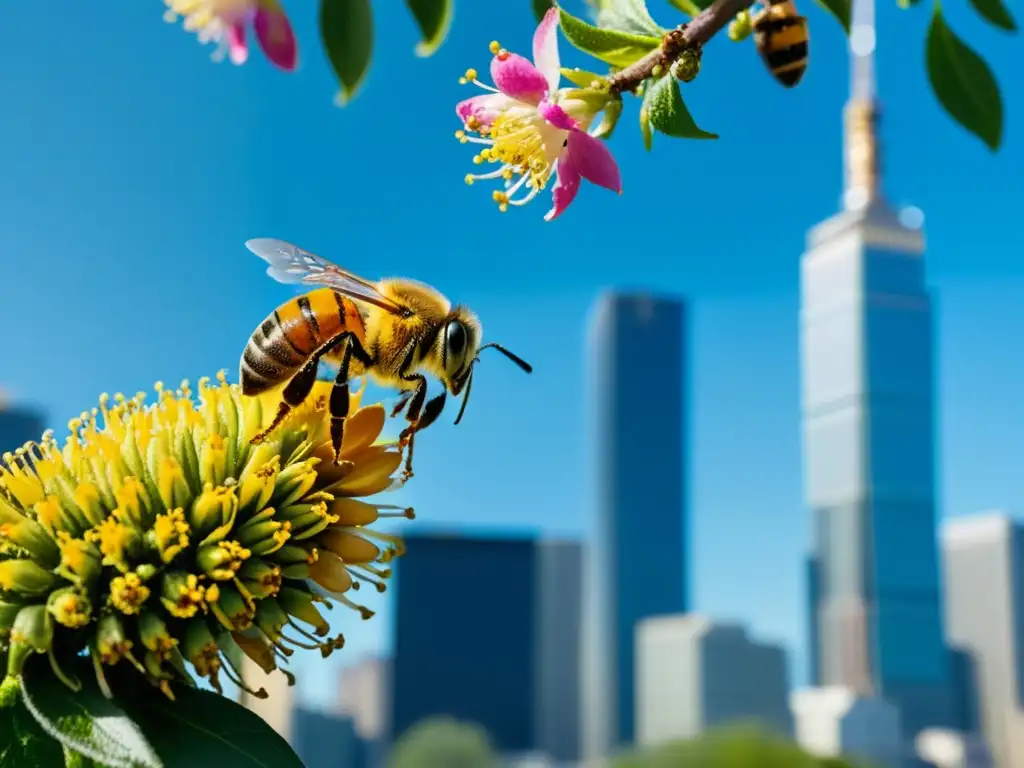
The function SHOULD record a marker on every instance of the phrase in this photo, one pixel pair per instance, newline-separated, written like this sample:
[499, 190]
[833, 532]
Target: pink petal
[276, 38]
[593, 160]
[545, 48]
[555, 116]
[518, 78]
[238, 49]
[566, 187]
[484, 107]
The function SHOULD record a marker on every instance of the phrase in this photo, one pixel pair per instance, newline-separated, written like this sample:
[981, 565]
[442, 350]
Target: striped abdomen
[780, 34]
[292, 334]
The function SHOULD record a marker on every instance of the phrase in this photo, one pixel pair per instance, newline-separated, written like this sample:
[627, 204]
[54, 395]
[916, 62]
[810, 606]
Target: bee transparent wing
[292, 265]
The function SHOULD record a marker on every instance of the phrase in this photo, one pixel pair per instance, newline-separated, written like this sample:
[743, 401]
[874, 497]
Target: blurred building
[326, 741]
[638, 431]
[869, 436]
[983, 563]
[18, 425]
[276, 709]
[838, 722]
[485, 630]
[362, 696]
[952, 749]
[694, 674]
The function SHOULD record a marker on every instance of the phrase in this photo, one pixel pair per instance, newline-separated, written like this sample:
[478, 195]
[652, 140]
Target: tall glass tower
[869, 434]
[636, 564]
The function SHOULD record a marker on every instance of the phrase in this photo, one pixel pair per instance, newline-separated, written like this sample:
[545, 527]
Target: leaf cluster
[443, 742]
[43, 724]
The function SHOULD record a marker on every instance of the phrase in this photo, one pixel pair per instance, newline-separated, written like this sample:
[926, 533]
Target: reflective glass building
[487, 630]
[869, 442]
[636, 567]
[326, 741]
[18, 426]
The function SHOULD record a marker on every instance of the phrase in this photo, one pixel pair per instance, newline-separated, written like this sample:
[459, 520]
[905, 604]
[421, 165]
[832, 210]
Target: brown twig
[689, 36]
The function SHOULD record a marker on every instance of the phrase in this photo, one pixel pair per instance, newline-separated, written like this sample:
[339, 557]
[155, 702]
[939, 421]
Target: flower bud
[257, 487]
[222, 560]
[70, 608]
[32, 633]
[329, 572]
[300, 604]
[261, 578]
[214, 507]
[171, 485]
[348, 546]
[293, 553]
[8, 612]
[741, 27]
[169, 536]
[128, 593]
[200, 647]
[29, 536]
[25, 577]
[354, 512]
[270, 618]
[294, 482]
[182, 594]
[154, 634]
[231, 610]
[80, 560]
[111, 642]
[258, 651]
[687, 66]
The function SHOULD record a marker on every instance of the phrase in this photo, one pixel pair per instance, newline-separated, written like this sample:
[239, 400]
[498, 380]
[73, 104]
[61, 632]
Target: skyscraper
[869, 433]
[486, 630]
[983, 560]
[636, 566]
[18, 425]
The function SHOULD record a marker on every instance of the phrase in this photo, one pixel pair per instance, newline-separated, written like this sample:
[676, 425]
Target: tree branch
[689, 36]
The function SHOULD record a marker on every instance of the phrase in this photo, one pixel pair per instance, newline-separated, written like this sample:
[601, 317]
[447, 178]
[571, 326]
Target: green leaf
[629, 16]
[841, 10]
[963, 82]
[540, 7]
[646, 132]
[690, 7]
[204, 728]
[609, 119]
[667, 111]
[582, 77]
[23, 744]
[995, 13]
[85, 721]
[620, 49]
[434, 18]
[346, 28]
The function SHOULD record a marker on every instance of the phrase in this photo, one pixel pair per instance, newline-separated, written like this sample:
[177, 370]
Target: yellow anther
[460, 135]
[469, 178]
[495, 46]
[477, 159]
[499, 197]
[470, 74]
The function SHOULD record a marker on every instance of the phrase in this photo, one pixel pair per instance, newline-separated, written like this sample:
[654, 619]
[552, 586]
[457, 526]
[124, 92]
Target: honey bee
[780, 34]
[393, 331]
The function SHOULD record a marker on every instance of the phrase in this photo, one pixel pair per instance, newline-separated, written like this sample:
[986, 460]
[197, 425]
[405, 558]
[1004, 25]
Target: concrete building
[838, 722]
[952, 749]
[635, 349]
[326, 741]
[500, 650]
[362, 696]
[276, 709]
[693, 674]
[983, 563]
[869, 435]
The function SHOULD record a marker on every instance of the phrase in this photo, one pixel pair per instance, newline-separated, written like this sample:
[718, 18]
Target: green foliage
[346, 29]
[963, 82]
[443, 742]
[612, 46]
[46, 724]
[841, 9]
[741, 747]
[540, 7]
[609, 120]
[629, 16]
[582, 77]
[690, 7]
[996, 13]
[434, 17]
[667, 112]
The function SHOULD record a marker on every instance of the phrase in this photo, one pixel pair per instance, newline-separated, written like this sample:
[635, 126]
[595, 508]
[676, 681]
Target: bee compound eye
[456, 338]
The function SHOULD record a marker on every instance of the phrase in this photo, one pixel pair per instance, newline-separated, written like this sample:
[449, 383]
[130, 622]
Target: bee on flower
[225, 23]
[159, 539]
[531, 129]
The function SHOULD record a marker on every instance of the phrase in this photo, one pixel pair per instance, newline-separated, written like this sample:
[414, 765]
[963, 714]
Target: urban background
[559, 650]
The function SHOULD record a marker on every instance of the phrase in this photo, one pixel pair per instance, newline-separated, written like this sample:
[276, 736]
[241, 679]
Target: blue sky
[133, 169]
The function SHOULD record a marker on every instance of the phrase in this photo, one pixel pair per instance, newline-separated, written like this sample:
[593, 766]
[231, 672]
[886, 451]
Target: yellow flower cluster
[158, 536]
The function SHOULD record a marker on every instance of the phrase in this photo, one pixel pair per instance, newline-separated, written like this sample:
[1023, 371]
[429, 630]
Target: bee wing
[292, 265]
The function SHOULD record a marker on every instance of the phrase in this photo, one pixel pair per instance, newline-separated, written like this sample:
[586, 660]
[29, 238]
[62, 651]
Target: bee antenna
[465, 396]
[514, 358]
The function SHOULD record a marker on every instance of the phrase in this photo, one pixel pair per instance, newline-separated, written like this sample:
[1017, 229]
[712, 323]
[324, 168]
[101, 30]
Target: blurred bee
[780, 34]
[393, 331]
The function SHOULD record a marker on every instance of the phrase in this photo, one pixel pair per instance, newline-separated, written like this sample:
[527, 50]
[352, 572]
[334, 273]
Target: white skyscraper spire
[863, 182]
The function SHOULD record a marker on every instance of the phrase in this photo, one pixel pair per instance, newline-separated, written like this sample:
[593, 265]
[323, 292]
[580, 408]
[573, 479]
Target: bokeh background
[132, 170]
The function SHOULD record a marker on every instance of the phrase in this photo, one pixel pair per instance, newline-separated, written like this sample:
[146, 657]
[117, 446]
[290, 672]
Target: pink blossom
[226, 23]
[532, 129]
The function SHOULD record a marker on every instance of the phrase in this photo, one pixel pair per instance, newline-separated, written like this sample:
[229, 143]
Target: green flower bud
[200, 647]
[261, 654]
[687, 66]
[8, 612]
[222, 560]
[32, 633]
[27, 534]
[294, 482]
[154, 634]
[293, 553]
[270, 618]
[112, 644]
[741, 27]
[232, 610]
[25, 577]
[301, 604]
[183, 596]
[214, 507]
[261, 578]
[171, 484]
[70, 607]
[10, 688]
[80, 561]
[257, 486]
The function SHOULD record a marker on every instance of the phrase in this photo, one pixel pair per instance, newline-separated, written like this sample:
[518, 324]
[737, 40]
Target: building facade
[362, 695]
[983, 563]
[638, 397]
[326, 741]
[693, 674]
[18, 425]
[838, 722]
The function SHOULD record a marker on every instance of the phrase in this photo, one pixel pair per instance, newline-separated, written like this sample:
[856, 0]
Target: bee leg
[431, 411]
[294, 394]
[338, 405]
[403, 401]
